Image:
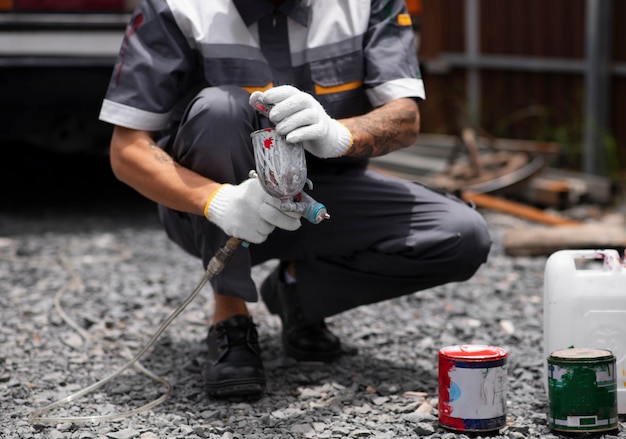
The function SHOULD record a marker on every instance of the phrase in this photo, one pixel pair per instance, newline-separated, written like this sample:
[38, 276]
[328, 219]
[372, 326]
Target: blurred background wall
[529, 69]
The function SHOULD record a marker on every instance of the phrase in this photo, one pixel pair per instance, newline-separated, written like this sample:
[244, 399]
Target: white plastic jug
[584, 300]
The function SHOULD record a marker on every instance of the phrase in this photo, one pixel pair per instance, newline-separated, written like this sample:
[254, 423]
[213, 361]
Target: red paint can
[472, 388]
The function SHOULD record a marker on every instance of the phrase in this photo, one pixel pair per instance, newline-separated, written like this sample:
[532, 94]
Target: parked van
[56, 58]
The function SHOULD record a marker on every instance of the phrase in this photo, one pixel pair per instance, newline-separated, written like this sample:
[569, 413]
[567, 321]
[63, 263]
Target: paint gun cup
[281, 166]
[281, 169]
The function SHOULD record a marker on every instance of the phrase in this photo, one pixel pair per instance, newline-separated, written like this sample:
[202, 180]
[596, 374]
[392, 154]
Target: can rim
[581, 354]
[474, 352]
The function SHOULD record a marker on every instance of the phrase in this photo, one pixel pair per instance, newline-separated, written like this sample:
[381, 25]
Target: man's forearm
[393, 126]
[137, 161]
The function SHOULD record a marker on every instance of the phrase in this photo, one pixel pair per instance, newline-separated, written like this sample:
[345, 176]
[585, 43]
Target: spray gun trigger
[262, 108]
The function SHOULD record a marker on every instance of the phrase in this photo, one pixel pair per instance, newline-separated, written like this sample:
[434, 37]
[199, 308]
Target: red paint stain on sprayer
[268, 143]
[472, 388]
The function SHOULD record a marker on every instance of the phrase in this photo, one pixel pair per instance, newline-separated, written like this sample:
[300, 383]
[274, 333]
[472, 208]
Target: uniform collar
[253, 10]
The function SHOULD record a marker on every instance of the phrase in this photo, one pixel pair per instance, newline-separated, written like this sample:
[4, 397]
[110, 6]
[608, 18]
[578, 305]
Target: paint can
[585, 306]
[582, 391]
[472, 388]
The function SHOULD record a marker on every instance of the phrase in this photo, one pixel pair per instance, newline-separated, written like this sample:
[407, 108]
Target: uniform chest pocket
[338, 74]
[338, 84]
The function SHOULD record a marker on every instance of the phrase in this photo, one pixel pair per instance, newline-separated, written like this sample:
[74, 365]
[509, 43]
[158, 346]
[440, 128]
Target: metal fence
[532, 69]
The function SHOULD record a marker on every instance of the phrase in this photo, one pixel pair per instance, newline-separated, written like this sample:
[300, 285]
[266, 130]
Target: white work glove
[247, 212]
[301, 118]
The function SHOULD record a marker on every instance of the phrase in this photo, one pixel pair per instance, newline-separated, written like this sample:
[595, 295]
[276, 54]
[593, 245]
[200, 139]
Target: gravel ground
[85, 279]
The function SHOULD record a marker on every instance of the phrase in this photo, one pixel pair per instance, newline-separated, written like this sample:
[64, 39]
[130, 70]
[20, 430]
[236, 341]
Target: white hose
[37, 416]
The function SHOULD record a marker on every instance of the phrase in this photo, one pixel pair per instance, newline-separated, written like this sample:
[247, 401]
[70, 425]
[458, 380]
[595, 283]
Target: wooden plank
[597, 189]
[517, 209]
[562, 189]
[540, 191]
[545, 240]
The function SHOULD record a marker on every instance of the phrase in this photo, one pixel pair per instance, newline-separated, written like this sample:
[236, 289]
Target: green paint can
[582, 389]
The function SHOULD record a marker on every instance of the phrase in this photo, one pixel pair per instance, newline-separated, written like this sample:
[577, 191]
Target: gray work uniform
[186, 69]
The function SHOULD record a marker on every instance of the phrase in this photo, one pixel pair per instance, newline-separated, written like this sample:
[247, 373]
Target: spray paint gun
[281, 169]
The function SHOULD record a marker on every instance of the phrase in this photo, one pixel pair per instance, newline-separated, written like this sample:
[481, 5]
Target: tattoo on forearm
[160, 155]
[384, 130]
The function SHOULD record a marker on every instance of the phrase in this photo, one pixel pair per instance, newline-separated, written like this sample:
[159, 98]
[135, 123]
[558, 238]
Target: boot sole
[244, 390]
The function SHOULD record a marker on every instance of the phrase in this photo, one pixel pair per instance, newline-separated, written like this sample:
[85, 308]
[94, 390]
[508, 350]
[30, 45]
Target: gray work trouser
[386, 237]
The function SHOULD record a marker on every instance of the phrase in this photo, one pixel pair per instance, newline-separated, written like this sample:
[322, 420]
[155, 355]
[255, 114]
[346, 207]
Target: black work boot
[302, 340]
[234, 368]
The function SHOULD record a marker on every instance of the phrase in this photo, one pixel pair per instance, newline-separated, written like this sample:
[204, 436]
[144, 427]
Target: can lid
[581, 354]
[474, 352]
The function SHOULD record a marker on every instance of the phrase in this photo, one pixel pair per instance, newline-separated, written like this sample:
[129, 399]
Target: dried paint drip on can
[582, 389]
[472, 388]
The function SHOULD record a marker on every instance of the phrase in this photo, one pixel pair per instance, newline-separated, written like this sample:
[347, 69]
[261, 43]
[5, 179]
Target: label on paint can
[472, 388]
[582, 389]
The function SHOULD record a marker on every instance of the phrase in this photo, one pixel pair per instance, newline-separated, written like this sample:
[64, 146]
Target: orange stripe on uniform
[252, 89]
[404, 20]
[321, 90]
